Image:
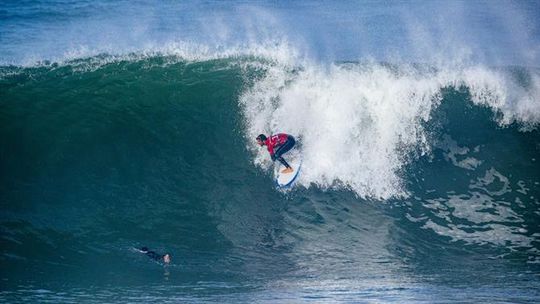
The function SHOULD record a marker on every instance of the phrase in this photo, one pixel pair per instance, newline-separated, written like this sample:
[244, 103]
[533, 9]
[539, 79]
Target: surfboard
[284, 180]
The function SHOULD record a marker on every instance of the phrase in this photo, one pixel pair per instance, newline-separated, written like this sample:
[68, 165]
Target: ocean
[126, 124]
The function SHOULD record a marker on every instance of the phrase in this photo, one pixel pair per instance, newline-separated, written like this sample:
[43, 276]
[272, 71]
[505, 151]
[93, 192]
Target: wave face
[420, 178]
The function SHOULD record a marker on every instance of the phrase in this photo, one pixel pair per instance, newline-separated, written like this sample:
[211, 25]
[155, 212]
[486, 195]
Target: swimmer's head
[145, 249]
[167, 258]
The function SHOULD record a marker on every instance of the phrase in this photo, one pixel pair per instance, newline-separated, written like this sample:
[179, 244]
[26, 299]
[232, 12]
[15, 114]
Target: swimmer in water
[166, 258]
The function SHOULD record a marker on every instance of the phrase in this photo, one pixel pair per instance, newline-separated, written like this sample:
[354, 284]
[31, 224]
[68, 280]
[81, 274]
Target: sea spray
[359, 124]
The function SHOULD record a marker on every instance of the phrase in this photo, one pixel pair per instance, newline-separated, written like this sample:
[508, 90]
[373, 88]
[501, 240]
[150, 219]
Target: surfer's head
[261, 139]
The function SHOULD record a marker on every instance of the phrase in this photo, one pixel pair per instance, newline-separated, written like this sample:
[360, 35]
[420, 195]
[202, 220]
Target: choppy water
[420, 180]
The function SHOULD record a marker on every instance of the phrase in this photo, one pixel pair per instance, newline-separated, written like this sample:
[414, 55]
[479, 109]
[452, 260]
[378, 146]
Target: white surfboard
[284, 180]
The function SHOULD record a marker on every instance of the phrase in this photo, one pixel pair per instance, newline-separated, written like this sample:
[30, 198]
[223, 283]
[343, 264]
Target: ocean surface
[132, 123]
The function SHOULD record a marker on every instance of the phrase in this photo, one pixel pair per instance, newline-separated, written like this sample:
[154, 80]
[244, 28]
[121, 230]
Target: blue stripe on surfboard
[294, 178]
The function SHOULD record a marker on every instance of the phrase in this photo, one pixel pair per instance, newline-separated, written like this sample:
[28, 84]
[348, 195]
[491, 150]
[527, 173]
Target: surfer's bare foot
[287, 170]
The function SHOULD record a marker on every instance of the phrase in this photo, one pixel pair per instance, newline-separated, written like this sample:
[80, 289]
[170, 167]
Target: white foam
[459, 156]
[359, 123]
[84, 56]
[482, 216]
[497, 89]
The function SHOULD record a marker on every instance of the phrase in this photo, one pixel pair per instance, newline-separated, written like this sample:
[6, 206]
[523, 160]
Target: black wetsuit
[154, 255]
[284, 148]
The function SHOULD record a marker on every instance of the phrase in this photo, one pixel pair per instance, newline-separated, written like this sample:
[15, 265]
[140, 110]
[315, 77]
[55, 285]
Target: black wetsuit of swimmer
[152, 254]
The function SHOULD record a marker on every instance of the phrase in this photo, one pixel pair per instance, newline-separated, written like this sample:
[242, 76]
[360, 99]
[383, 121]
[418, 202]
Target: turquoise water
[420, 179]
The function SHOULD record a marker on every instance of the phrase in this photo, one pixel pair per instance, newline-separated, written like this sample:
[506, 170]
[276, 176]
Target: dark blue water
[128, 124]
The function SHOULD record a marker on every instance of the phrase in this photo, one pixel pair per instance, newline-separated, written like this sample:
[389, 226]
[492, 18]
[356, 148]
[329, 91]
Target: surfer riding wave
[277, 145]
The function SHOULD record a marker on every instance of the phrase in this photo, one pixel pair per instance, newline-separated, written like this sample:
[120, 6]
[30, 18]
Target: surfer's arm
[271, 151]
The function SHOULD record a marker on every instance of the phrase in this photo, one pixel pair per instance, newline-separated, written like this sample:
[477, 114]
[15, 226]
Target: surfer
[282, 143]
[166, 258]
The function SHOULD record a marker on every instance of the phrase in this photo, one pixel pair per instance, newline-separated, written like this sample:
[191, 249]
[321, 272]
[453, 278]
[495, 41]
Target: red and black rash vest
[275, 141]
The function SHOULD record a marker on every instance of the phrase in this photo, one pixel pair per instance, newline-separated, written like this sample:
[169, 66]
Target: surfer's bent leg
[281, 160]
[283, 149]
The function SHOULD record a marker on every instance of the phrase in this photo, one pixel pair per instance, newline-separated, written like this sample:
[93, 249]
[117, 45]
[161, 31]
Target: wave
[359, 123]
[431, 141]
